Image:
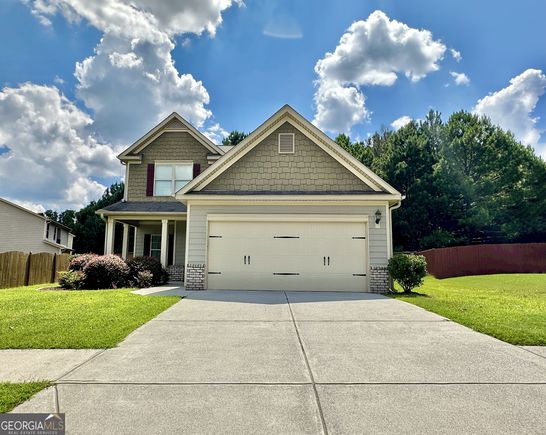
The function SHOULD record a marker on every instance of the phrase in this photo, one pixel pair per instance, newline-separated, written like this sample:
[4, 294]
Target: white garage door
[287, 255]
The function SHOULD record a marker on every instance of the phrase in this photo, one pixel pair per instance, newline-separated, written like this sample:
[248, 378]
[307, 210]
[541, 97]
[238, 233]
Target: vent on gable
[286, 143]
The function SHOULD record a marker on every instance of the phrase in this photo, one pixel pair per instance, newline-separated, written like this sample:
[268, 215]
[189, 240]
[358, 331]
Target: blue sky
[251, 59]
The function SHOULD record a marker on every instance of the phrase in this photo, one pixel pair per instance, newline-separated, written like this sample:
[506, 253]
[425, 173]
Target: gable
[172, 123]
[170, 146]
[309, 169]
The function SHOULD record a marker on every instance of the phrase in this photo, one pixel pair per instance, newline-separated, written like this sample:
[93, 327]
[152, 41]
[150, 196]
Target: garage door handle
[324, 259]
[249, 259]
[328, 261]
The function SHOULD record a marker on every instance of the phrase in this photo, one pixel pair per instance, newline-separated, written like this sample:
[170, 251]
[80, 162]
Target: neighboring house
[286, 209]
[23, 230]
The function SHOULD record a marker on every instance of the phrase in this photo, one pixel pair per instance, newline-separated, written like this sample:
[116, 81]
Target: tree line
[465, 180]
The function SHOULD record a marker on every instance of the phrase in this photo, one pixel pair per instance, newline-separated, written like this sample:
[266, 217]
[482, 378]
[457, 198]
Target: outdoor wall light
[377, 217]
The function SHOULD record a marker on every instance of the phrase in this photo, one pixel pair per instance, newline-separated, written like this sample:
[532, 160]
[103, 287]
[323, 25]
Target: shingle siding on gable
[168, 146]
[308, 169]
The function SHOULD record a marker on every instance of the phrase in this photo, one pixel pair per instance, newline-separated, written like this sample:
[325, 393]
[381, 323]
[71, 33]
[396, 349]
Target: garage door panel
[322, 256]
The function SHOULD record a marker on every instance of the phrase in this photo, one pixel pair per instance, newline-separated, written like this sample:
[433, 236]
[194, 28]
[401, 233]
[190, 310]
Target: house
[26, 231]
[287, 209]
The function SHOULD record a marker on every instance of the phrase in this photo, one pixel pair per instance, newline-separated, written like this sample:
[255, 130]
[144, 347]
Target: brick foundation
[379, 279]
[195, 277]
[176, 272]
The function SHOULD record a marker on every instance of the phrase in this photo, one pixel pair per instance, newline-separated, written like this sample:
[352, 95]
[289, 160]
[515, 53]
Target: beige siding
[22, 231]
[197, 227]
[169, 146]
[308, 169]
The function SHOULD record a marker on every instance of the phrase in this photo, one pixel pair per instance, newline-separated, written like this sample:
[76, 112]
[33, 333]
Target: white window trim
[172, 163]
[293, 143]
[151, 236]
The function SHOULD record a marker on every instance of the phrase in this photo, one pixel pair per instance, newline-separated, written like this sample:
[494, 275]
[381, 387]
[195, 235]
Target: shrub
[150, 264]
[71, 279]
[78, 262]
[144, 279]
[106, 271]
[408, 270]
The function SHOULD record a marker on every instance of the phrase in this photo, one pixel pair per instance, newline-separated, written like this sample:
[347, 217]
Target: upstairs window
[169, 177]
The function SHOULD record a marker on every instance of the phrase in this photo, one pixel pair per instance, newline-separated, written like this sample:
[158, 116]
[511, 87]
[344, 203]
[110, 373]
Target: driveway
[312, 362]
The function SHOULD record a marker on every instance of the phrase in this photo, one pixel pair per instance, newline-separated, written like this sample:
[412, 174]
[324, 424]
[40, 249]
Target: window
[286, 143]
[155, 246]
[169, 178]
[47, 231]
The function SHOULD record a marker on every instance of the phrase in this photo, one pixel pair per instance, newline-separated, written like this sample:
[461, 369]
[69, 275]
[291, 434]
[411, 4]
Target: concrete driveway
[281, 362]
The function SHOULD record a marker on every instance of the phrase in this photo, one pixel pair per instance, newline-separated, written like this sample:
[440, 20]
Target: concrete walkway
[282, 362]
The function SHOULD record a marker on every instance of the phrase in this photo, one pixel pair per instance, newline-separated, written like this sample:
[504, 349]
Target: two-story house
[23, 230]
[286, 209]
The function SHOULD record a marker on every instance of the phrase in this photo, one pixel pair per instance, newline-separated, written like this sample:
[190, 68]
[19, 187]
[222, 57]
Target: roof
[131, 153]
[286, 192]
[38, 215]
[288, 114]
[145, 207]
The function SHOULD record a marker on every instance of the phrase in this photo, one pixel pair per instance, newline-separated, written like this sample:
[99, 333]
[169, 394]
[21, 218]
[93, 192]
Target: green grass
[511, 307]
[12, 395]
[52, 319]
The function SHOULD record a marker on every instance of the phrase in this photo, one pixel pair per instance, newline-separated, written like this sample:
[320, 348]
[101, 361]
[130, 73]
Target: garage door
[287, 255]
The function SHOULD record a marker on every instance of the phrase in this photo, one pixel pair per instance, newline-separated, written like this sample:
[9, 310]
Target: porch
[154, 229]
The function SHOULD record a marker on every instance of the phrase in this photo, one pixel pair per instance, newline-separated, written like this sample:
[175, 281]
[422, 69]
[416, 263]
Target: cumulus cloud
[400, 122]
[52, 153]
[372, 52]
[29, 205]
[460, 79]
[511, 107]
[215, 133]
[131, 81]
[456, 55]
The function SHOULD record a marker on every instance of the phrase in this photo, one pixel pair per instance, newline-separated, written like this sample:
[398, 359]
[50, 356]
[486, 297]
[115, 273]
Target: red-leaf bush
[149, 264]
[79, 261]
[106, 271]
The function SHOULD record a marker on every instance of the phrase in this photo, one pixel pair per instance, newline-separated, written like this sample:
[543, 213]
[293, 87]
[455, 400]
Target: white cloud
[400, 122]
[52, 152]
[511, 107]
[460, 79]
[371, 52]
[283, 26]
[215, 133]
[456, 55]
[131, 81]
[29, 205]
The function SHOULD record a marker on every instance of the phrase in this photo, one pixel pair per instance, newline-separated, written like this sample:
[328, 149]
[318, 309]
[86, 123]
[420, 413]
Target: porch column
[164, 242]
[135, 241]
[110, 230]
[125, 242]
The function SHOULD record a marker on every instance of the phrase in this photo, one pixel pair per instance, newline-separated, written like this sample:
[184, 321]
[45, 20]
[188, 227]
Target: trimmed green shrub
[408, 270]
[106, 271]
[71, 279]
[79, 261]
[150, 264]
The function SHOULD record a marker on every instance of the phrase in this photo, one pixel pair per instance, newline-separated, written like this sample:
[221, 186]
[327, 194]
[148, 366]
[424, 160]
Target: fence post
[53, 267]
[27, 268]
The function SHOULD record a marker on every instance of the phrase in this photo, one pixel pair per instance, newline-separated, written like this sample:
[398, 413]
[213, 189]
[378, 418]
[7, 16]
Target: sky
[81, 81]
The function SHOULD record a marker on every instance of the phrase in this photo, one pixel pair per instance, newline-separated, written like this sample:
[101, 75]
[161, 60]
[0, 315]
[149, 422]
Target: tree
[234, 138]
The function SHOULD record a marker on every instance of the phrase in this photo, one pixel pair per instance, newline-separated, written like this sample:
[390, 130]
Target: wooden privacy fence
[486, 259]
[20, 268]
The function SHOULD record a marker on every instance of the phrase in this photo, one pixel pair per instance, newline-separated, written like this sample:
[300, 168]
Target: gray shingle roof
[147, 206]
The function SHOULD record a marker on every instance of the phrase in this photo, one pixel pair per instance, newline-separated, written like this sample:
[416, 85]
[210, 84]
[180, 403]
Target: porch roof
[145, 207]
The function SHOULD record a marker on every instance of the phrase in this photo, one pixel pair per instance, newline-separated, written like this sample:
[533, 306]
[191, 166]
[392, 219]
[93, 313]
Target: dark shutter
[171, 250]
[150, 180]
[196, 169]
[147, 238]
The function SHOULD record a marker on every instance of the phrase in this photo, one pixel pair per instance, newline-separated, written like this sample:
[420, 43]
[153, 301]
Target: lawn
[12, 395]
[511, 307]
[38, 319]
